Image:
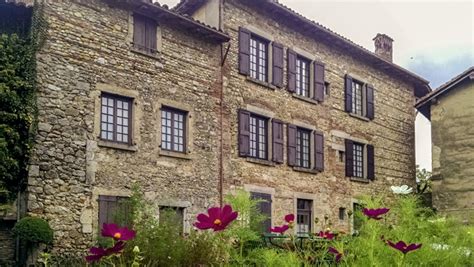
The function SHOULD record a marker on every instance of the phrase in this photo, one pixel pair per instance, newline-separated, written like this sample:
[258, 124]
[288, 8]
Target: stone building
[451, 111]
[261, 99]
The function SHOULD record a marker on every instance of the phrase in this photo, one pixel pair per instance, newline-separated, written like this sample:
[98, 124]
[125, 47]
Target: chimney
[383, 46]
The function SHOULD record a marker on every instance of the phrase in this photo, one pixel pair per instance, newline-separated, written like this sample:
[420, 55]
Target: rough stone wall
[88, 50]
[452, 127]
[391, 132]
[7, 243]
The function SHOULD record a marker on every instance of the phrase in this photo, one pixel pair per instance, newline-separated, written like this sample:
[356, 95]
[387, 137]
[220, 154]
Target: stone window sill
[304, 98]
[307, 170]
[360, 180]
[261, 161]
[359, 117]
[108, 144]
[173, 154]
[155, 55]
[266, 84]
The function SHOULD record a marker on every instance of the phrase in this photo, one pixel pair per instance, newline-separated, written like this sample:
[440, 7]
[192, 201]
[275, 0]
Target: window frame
[307, 211]
[174, 112]
[116, 98]
[266, 121]
[300, 148]
[299, 76]
[148, 22]
[118, 200]
[259, 40]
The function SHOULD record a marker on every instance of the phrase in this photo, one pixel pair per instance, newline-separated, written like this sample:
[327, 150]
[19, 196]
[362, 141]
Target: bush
[33, 230]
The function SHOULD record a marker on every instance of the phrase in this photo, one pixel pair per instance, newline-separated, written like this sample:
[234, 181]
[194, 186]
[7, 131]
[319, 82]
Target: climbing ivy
[17, 100]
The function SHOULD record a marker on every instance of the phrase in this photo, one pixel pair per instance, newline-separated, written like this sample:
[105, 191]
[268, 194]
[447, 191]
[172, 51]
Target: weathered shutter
[291, 70]
[291, 145]
[151, 35]
[277, 136]
[349, 158]
[318, 81]
[265, 208]
[244, 51]
[107, 208]
[348, 93]
[319, 151]
[244, 133]
[370, 162]
[139, 32]
[277, 72]
[370, 102]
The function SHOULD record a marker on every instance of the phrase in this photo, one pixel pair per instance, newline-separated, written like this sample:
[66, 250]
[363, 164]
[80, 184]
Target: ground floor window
[115, 209]
[304, 215]
[172, 217]
[265, 208]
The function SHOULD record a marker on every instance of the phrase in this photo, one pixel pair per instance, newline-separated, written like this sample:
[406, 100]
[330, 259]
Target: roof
[446, 87]
[302, 23]
[164, 14]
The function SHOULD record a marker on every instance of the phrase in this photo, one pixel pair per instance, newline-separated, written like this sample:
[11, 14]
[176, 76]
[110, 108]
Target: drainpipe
[221, 112]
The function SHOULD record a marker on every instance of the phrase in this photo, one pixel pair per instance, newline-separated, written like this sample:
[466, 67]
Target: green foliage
[265, 257]
[33, 230]
[423, 180]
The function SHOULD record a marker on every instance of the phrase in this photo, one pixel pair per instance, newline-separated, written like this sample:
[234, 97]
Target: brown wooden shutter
[291, 145]
[139, 32]
[277, 136]
[244, 51]
[244, 133]
[370, 162]
[107, 209]
[349, 158]
[277, 72]
[291, 70]
[348, 93]
[318, 81]
[319, 151]
[151, 35]
[265, 208]
[370, 102]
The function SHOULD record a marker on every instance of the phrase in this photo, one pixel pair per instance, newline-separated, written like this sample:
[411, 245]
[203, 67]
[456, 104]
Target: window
[172, 217]
[264, 206]
[304, 215]
[358, 151]
[173, 130]
[114, 209]
[302, 76]
[258, 58]
[342, 214]
[258, 137]
[357, 219]
[144, 34]
[303, 148]
[115, 117]
[357, 106]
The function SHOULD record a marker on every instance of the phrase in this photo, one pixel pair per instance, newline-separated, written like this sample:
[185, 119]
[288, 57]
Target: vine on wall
[17, 96]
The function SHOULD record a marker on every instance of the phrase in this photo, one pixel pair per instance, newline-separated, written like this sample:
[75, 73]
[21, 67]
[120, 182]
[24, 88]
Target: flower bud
[136, 249]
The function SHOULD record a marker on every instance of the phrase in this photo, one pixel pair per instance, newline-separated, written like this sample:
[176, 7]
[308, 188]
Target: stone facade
[453, 146]
[88, 52]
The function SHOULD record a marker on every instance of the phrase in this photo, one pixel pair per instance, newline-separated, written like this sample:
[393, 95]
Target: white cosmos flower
[404, 189]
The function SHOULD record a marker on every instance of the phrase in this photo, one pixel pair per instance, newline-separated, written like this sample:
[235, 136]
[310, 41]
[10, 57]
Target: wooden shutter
[291, 145]
[349, 158]
[318, 81]
[370, 162]
[265, 208]
[113, 209]
[319, 151]
[291, 70]
[139, 32]
[244, 51]
[277, 71]
[151, 35]
[348, 93]
[244, 133]
[277, 136]
[370, 102]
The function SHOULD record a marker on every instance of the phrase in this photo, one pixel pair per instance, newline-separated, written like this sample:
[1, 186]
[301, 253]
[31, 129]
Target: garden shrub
[33, 230]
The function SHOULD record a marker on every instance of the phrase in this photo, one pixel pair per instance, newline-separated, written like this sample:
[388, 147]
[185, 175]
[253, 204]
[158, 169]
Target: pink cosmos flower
[98, 253]
[116, 232]
[403, 247]
[375, 213]
[217, 218]
[290, 219]
[336, 253]
[279, 229]
[326, 235]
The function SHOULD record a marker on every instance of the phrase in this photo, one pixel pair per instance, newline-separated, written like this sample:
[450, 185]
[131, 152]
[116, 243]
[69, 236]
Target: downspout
[221, 112]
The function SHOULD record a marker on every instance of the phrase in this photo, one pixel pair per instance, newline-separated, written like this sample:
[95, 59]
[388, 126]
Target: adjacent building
[195, 102]
[451, 111]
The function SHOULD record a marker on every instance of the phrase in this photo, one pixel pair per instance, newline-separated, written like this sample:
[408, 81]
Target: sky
[434, 39]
